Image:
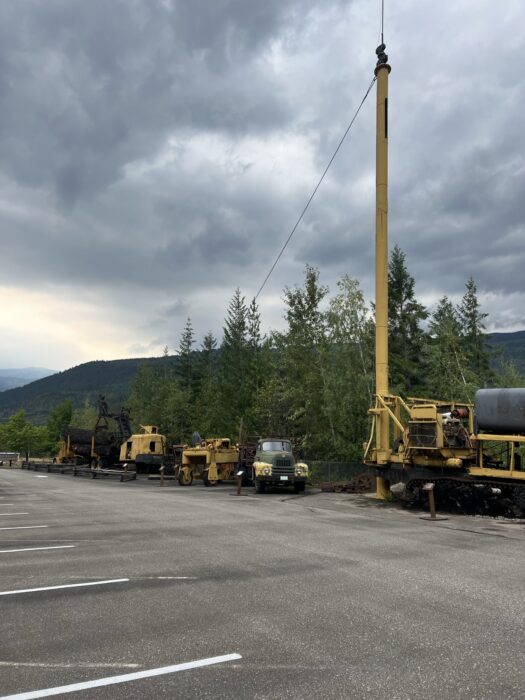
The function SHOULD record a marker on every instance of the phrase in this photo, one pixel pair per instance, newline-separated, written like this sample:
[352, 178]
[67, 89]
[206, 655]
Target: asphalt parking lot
[113, 590]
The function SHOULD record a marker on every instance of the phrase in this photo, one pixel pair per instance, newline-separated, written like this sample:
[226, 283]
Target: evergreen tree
[234, 357]
[186, 357]
[301, 351]
[472, 327]
[447, 370]
[405, 315]
[208, 409]
[259, 366]
[57, 424]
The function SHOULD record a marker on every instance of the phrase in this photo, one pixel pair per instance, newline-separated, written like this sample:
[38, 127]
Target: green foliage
[111, 378]
[86, 416]
[472, 332]
[186, 357]
[19, 435]
[57, 424]
[233, 376]
[348, 370]
[404, 326]
[301, 363]
[448, 374]
[312, 381]
[509, 376]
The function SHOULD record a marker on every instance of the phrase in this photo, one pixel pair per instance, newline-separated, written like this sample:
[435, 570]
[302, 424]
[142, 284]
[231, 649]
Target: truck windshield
[276, 446]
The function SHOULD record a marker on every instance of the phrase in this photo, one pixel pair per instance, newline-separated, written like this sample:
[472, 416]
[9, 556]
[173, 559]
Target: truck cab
[275, 465]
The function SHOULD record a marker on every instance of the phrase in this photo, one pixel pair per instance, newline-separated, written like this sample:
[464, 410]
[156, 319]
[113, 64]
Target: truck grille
[283, 466]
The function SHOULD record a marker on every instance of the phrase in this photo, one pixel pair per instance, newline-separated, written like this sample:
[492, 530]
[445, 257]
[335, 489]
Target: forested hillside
[77, 385]
[509, 347]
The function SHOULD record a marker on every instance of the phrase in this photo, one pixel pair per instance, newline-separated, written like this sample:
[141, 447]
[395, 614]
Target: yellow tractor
[213, 460]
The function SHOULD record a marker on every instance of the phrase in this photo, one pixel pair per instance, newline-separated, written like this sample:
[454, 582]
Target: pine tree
[208, 408]
[448, 374]
[233, 357]
[185, 353]
[405, 333]
[472, 327]
[301, 352]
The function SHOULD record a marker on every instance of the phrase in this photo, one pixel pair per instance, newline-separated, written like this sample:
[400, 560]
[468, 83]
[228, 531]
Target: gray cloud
[156, 154]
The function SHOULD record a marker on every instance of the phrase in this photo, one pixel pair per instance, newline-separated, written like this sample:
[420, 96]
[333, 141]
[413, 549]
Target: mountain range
[13, 378]
[113, 378]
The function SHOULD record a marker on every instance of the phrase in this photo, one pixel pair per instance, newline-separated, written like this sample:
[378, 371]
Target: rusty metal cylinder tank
[501, 411]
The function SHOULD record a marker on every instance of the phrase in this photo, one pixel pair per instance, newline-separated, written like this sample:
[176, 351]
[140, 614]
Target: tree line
[314, 380]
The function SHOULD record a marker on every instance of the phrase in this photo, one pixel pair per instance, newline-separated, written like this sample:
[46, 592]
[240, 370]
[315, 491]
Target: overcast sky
[156, 153]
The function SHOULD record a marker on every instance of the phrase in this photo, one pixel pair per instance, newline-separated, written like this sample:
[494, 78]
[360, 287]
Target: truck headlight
[299, 471]
[267, 471]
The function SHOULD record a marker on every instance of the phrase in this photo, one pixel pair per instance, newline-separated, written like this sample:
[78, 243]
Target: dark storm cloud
[157, 154]
[87, 87]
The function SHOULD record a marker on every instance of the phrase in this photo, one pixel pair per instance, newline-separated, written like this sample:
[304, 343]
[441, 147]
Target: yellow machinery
[470, 453]
[213, 460]
[146, 449]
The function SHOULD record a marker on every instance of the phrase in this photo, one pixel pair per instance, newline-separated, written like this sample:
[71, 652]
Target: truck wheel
[205, 479]
[260, 487]
[299, 488]
[185, 477]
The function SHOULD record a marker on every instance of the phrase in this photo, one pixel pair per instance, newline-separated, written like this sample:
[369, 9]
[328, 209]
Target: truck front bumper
[282, 480]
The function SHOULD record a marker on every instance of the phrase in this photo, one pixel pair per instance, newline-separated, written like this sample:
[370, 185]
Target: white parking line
[83, 664]
[6, 504]
[126, 678]
[23, 527]
[67, 585]
[34, 549]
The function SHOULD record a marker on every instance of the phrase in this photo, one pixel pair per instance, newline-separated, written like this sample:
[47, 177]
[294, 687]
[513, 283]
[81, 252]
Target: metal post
[431, 504]
[382, 71]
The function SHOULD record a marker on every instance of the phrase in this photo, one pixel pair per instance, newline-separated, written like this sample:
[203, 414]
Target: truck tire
[260, 487]
[299, 488]
[205, 479]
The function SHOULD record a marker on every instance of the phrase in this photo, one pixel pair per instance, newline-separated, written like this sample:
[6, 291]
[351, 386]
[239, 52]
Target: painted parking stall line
[23, 527]
[36, 549]
[3, 514]
[126, 678]
[66, 585]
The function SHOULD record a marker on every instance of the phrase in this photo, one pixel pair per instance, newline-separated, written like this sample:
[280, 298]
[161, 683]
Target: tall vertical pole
[383, 432]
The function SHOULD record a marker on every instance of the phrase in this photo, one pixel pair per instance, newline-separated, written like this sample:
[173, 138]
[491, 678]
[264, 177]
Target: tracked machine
[469, 453]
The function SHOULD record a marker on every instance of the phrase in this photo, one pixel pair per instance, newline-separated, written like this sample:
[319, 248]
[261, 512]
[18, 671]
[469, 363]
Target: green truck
[275, 465]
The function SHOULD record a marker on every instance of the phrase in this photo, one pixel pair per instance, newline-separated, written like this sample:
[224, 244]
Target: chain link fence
[322, 471]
